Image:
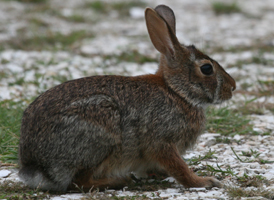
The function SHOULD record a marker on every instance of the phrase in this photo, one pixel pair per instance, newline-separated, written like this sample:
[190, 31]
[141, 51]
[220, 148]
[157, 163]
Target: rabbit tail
[36, 179]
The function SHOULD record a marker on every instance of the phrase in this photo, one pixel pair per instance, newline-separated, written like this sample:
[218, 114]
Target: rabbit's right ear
[161, 34]
[168, 15]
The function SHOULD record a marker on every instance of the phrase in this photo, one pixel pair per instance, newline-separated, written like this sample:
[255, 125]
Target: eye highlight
[207, 69]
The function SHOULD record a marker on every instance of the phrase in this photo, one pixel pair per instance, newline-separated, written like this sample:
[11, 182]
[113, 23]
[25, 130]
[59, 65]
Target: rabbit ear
[166, 13]
[161, 34]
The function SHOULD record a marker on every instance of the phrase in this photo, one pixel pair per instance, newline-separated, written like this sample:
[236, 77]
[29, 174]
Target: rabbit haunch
[95, 131]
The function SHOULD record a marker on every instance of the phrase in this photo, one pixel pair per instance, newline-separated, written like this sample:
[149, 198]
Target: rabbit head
[190, 73]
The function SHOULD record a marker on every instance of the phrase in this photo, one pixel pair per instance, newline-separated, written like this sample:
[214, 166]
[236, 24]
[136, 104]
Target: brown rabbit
[95, 131]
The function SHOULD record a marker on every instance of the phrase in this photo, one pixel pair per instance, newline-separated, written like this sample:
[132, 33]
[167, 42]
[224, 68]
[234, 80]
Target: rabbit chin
[220, 101]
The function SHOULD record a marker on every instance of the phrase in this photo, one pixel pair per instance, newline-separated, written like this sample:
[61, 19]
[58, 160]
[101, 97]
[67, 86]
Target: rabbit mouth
[222, 99]
[219, 101]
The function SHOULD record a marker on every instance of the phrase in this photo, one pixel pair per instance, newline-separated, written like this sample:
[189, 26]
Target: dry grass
[16, 190]
[237, 192]
[257, 108]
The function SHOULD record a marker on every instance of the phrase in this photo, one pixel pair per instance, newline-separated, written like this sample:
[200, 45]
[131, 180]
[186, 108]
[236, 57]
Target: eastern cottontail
[94, 131]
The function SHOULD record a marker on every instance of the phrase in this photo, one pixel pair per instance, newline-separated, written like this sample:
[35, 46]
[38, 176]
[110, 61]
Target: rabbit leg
[171, 160]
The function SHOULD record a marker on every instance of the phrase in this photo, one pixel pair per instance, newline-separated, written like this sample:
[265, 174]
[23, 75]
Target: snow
[4, 173]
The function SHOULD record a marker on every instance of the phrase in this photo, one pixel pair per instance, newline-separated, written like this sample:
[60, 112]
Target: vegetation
[220, 7]
[132, 56]
[238, 192]
[10, 119]
[227, 122]
[197, 160]
[16, 190]
[49, 41]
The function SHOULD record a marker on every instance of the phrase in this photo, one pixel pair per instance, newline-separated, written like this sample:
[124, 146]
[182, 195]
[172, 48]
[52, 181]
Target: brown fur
[94, 131]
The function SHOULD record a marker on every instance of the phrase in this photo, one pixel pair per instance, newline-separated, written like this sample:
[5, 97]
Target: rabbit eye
[207, 69]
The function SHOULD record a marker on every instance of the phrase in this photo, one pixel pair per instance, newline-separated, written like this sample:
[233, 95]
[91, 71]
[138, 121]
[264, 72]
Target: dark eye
[207, 69]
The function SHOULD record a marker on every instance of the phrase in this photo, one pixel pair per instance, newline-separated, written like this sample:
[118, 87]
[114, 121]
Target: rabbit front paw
[210, 182]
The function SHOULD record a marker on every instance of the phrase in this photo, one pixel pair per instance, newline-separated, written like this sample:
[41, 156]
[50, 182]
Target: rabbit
[95, 131]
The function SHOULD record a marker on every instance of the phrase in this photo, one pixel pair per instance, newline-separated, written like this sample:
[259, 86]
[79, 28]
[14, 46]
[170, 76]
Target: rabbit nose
[232, 83]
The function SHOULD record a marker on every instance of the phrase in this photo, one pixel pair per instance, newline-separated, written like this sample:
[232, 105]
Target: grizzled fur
[94, 131]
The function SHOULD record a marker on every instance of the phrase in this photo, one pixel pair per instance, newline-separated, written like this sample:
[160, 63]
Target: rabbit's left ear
[161, 34]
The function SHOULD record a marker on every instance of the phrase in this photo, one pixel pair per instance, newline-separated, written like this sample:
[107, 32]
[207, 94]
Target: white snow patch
[4, 173]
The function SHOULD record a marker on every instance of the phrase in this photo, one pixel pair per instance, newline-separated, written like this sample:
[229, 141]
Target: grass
[219, 171]
[18, 191]
[197, 160]
[227, 122]
[252, 181]
[10, 122]
[225, 140]
[208, 170]
[258, 44]
[76, 18]
[3, 74]
[251, 107]
[114, 196]
[246, 160]
[256, 59]
[98, 6]
[43, 8]
[48, 41]
[18, 81]
[250, 153]
[38, 22]
[250, 186]
[238, 192]
[132, 56]
[137, 188]
[255, 154]
[259, 59]
[225, 8]
[4, 61]
[265, 87]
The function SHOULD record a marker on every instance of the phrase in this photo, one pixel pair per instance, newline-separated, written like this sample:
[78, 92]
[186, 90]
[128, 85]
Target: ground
[46, 42]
